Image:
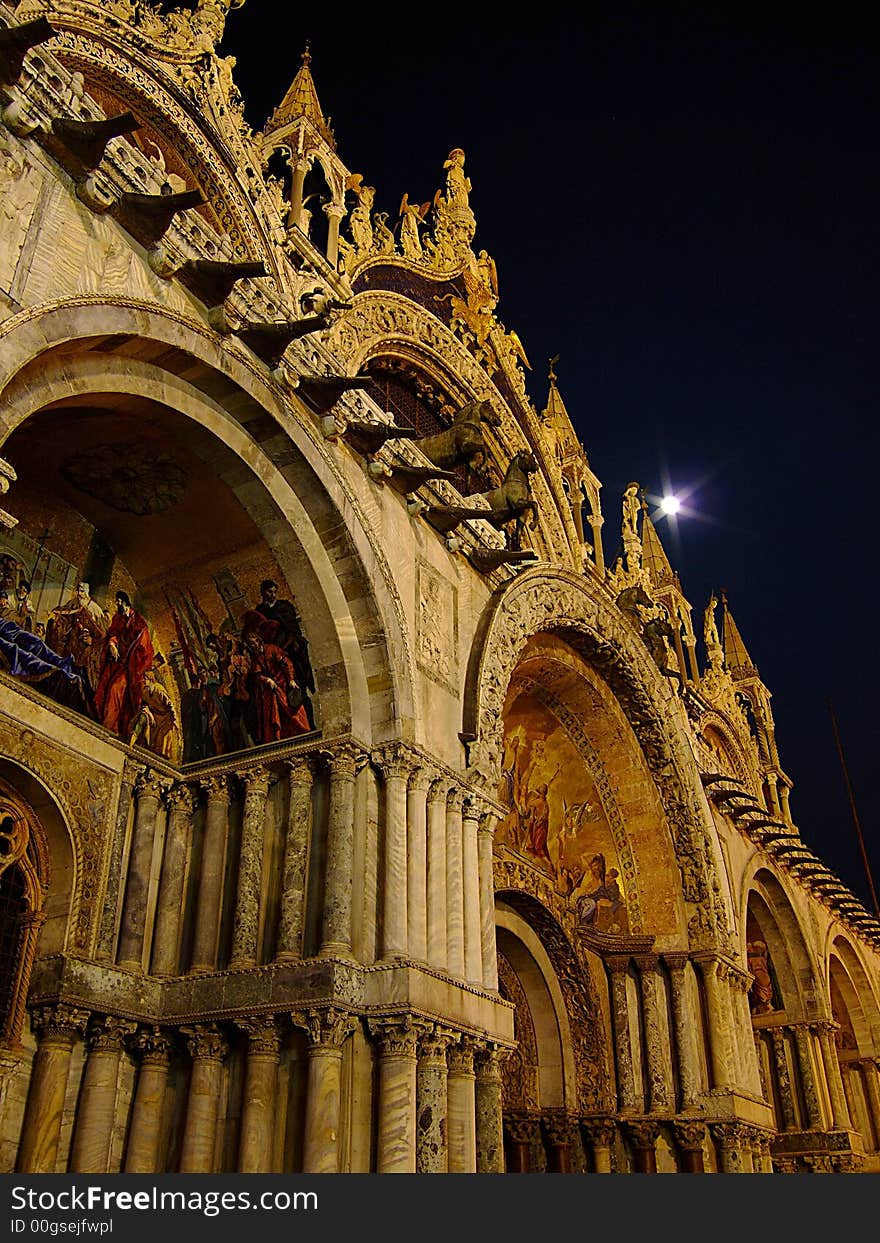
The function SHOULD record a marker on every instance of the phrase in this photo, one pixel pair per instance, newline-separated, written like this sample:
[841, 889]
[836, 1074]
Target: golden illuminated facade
[358, 813]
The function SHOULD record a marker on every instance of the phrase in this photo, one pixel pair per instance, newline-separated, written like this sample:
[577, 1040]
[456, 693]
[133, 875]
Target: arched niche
[854, 1004]
[775, 947]
[280, 475]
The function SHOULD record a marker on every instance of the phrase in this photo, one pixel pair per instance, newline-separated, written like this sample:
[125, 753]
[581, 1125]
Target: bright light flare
[670, 504]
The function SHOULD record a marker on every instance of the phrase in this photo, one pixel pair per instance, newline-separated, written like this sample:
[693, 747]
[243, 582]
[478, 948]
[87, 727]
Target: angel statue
[458, 187]
[411, 216]
[359, 219]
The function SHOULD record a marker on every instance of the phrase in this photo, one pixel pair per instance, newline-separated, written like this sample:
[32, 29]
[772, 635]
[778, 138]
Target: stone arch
[61, 354]
[765, 900]
[556, 977]
[568, 606]
[849, 983]
[715, 723]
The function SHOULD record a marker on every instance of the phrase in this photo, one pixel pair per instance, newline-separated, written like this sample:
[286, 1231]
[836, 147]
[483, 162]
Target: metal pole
[855, 814]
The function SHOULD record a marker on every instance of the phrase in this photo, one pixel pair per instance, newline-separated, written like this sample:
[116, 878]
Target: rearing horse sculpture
[462, 442]
[510, 502]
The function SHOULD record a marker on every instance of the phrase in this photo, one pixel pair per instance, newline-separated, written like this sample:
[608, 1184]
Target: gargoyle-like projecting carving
[148, 217]
[212, 281]
[368, 438]
[16, 42]
[269, 341]
[462, 442]
[83, 143]
[323, 391]
[485, 560]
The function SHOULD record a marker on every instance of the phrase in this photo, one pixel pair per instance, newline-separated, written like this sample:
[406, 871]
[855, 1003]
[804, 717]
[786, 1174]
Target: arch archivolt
[224, 395]
[569, 981]
[855, 985]
[788, 942]
[717, 722]
[561, 603]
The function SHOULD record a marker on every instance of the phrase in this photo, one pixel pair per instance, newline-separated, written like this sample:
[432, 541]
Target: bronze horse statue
[510, 502]
[462, 442]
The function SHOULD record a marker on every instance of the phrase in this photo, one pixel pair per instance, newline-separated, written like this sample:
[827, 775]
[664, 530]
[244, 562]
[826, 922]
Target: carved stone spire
[736, 656]
[300, 101]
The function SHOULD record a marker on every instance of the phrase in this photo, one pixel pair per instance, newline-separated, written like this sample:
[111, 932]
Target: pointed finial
[307, 53]
[551, 375]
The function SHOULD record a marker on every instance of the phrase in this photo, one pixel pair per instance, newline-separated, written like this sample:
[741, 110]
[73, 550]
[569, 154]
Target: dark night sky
[685, 207]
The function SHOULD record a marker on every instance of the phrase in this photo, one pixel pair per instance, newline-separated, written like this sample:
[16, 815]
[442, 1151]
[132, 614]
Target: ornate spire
[654, 556]
[300, 101]
[736, 656]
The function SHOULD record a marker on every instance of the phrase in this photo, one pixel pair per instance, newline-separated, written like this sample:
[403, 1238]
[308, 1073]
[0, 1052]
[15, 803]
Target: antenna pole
[855, 814]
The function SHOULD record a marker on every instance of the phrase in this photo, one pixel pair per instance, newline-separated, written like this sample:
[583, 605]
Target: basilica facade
[369, 800]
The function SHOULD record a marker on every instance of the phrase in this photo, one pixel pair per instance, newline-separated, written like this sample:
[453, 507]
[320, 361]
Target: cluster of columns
[436, 870]
[732, 1058]
[798, 1090]
[438, 1095]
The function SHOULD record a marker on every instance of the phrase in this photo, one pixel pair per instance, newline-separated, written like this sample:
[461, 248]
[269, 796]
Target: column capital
[617, 963]
[433, 1045]
[439, 789]
[395, 759]
[522, 1127]
[180, 797]
[488, 824]
[216, 788]
[730, 1134]
[151, 784]
[328, 1028]
[345, 758]
[255, 780]
[489, 1060]
[470, 807]
[689, 1136]
[676, 960]
[455, 799]
[461, 1055]
[599, 1131]
[59, 1023]
[646, 962]
[396, 1036]
[108, 1034]
[264, 1037]
[421, 779]
[559, 1125]
[154, 1045]
[206, 1042]
[301, 769]
[336, 210]
[642, 1132]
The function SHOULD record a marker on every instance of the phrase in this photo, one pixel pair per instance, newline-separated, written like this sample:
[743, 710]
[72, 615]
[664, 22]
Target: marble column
[397, 1041]
[56, 1027]
[846, 1078]
[169, 908]
[627, 1099]
[726, 985]
[687, 1027]
[90, 1149]
[487, 1102]
[454, 886]
[298, 170]
[345, 761]
[328, 1031]
[260, 1092]
[462, 1108]
[144, 1132]
[643, 1139]
[470, 868]
[523, 1130]
[651, 985]
[488, 948]
[246, 925]
[783, 1080]
[149, 789]
[396, 766]
[689, 1138]
[209, 899]
[417, 864]
[748, 1058]
[437, 956]
[110, 909]
[710, 967]
[872, 1092]
[334, 213]
[736, 1153]
[208, 1048]
[600, 1132]
[297, 836]
[431, 1109]
[29, 925]
[803, 1040]
[839, 1112]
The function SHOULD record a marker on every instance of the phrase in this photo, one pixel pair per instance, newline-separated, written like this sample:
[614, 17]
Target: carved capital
[689, 1136]
[345, 760]
[642, 1133]
[154, 1046]
[150, 784]
[421, 779]
[558, 1125]
[488, 824]
[646, 963]
[58, 1023]
[438, 790]
[396, 1037]
[301, 770]
[256, 781]
[617, 964]
[394, 760]
[264, 1038]
[676, 961]
[455, 800]
[327, 1029]
[489, 1060]
[216, 789]
[433, 1045]
[180, 799]
[521, 1126]
[599, 1131]
[206, 1042]
[730, 1134]
[107, 1034]
[460, 1057]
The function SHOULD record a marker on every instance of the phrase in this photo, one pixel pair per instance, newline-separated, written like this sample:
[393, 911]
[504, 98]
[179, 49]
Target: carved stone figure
[463, 442]
[411, 216]
[19, 187]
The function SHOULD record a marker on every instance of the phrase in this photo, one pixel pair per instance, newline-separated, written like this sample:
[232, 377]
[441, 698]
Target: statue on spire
[632, 544]
[711, 638]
